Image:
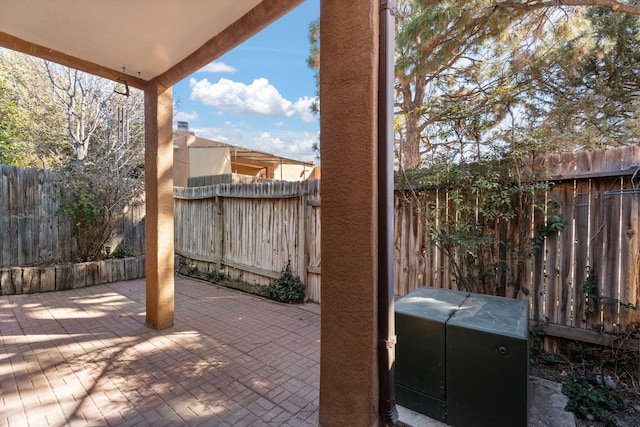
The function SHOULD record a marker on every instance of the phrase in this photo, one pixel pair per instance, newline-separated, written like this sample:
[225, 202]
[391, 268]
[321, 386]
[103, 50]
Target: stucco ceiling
[138, 38]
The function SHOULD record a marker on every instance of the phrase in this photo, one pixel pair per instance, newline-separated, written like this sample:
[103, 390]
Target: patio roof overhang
[136, 41]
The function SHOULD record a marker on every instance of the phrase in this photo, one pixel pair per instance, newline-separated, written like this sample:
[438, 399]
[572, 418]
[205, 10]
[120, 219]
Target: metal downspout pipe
[386, 320]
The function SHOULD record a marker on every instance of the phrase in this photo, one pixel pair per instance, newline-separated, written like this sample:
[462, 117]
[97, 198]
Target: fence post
[218, 234]
[302, 233]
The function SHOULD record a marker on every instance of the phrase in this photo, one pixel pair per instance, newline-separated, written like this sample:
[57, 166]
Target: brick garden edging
[31, 280]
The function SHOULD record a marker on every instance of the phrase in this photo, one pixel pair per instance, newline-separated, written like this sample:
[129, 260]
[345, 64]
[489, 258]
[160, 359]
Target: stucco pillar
[158, 180]
[349, 31]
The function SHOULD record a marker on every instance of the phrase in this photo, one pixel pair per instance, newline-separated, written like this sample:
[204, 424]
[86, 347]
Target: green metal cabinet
[421, 317]
[462, 358]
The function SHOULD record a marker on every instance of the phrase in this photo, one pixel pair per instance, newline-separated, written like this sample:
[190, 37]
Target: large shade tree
[514, 82]
[587, 97]
[473, 74]
[470, 75]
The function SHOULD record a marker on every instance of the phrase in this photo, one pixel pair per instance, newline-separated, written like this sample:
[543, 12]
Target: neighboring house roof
[242, 153]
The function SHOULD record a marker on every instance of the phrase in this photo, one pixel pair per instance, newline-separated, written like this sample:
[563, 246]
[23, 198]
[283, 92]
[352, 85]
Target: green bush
[287, 288]
[121, 251]
[586, 400]
[214, 276]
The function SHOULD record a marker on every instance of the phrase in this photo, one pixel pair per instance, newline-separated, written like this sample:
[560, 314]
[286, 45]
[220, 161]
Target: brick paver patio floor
[85, 357]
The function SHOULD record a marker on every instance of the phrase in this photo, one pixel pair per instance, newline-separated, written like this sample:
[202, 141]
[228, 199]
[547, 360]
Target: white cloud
[301, 145]
[270, 144]
[182, 116]
[260, 97]
[218, 67]
[303, 108]
[292, 145]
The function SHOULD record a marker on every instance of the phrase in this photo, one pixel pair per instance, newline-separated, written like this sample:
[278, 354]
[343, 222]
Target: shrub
[287, 288]
[121, 251]
[214, 276]
[590, 401]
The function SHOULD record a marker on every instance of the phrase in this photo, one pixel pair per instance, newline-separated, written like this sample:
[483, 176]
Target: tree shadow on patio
[86, 356]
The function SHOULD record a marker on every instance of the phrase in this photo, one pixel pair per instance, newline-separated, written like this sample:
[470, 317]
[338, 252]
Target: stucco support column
[158, 180]
[349, 134]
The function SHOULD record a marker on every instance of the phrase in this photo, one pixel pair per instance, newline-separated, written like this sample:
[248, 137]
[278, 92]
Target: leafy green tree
[313, 60]
[11, 151]
[588, 96]
[78, 125]
[439, 68]
[40, 130]
[19, 138]
[630, 7]
[467, 72]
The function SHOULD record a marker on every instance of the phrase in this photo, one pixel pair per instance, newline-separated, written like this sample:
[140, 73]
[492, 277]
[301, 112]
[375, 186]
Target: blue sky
[257, 95]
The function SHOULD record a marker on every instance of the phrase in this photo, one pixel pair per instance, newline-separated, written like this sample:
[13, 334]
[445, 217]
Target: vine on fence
[554, 224]
[480, 216]
[592, 292]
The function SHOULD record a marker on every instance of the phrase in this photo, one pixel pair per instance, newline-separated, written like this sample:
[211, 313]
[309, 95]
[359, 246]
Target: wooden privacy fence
[32, 233]
[599, 247]
[598, 194]
[251, 231]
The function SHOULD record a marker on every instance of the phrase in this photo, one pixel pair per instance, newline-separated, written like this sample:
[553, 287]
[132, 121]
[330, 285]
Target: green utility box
[463, 358]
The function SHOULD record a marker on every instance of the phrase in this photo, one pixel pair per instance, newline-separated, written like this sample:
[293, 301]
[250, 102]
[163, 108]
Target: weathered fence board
[538, 294]
[5, 217]
[565, 258]
[599, 203]
[32, 233]
[610, 267]
[581, 252]
[252, 230]
[630, 258]
[312, 239]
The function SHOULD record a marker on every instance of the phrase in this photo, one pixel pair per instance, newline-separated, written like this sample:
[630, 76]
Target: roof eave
[235, 33]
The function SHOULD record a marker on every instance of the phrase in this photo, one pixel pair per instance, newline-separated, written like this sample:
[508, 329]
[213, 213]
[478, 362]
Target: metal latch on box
[389, 343]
